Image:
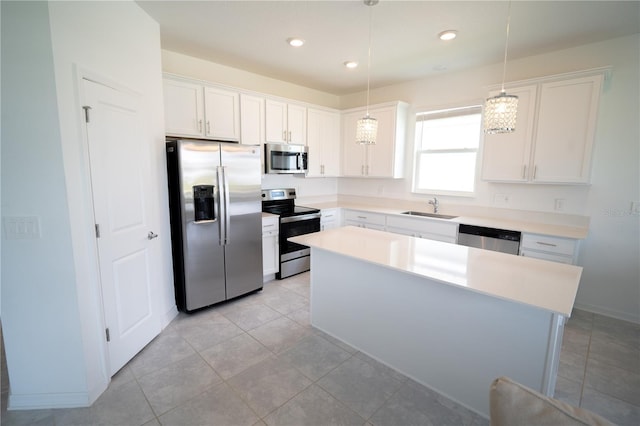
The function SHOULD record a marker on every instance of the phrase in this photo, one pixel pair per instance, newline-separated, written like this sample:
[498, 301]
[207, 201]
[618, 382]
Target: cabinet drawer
[365, 217]
[563, 246]
[269, 224]
[547, 256]
[424, 226]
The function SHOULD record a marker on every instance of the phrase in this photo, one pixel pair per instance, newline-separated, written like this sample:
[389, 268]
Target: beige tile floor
[257, 361]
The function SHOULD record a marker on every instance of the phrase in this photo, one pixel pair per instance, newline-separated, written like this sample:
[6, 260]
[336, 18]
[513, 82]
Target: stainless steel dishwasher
[501, 240]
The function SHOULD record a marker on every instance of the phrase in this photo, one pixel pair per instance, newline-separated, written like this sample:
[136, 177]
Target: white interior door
[127, 249]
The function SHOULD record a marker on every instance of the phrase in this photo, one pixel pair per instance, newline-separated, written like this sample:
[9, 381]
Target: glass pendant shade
[366, 130]
[500, 113]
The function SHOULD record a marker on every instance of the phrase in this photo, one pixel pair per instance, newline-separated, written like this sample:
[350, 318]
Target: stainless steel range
[294, 220]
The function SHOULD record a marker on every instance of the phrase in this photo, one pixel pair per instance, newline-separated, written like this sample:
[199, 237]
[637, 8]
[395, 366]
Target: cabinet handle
[268, 226]
[289, 135]
[200, 126]
[546, 244]
[362, 170]
[322, 169]
[284, 135]
[208, 127]
[535, 171]
[524, 171]
[361, 217]
[367, 169]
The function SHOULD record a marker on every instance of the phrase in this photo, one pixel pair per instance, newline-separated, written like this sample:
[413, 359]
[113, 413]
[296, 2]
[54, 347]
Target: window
[446, 149]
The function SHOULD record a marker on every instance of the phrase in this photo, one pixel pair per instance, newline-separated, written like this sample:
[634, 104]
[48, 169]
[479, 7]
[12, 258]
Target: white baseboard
[169, 316]
[48, 400]
[607, 312]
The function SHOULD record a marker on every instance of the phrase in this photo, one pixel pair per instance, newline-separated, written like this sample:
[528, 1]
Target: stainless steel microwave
[285, 158]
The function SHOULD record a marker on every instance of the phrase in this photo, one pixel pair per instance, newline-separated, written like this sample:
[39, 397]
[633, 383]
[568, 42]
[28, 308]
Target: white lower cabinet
[556, 249]
[432, 229]
[365, 219]
[270, 245]
[329, 219]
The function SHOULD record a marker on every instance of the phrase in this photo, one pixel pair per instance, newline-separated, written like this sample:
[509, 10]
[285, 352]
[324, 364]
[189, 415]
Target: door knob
[151, 235]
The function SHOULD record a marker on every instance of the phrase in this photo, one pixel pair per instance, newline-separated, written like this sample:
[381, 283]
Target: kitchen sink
[425, 214]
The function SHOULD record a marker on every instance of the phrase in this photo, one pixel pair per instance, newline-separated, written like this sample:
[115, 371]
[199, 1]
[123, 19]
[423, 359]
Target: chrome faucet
[435, 204]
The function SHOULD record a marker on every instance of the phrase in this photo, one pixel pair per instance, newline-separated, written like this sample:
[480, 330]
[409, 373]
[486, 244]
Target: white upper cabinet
[565, 130]
[385, 159]
[222, 114]
[197, 110]
[507, 155]
[286, 123]
[323, 140]
[251, 119]
[183, 108]
[554, 134]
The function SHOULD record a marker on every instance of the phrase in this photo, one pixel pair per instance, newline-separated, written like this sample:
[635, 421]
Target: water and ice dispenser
[203, 205]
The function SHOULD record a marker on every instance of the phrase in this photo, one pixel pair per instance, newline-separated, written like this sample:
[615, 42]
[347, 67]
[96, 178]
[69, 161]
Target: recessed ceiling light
[448, 35]
[295, 42]
[351, 64]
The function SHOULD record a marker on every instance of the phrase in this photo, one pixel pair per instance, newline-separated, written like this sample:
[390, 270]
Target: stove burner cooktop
[282, 203]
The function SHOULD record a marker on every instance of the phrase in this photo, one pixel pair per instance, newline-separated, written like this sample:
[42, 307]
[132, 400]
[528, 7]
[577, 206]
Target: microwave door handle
[297, 161]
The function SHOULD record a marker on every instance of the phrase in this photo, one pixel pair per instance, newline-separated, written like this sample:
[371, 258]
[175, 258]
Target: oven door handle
[309, 216]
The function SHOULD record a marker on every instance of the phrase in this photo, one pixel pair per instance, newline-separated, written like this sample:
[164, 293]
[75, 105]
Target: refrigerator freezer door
[203, 254]
[243, 251]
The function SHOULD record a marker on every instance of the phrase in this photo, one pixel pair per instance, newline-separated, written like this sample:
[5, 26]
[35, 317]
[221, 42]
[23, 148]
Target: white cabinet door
[251, 120]
[297, 124]
[270, 245]
[183, 108]
[506, 156]
[222, 114]
[323, 141]
[276, 121]
[329, 219]
[565, 130]
[353, 154]
[381, 157]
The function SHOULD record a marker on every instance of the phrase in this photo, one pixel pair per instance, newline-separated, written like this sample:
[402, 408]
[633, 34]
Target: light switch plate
[21, 227]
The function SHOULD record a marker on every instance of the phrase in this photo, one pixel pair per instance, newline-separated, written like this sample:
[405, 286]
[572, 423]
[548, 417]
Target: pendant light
[500, 112]
[367, 127]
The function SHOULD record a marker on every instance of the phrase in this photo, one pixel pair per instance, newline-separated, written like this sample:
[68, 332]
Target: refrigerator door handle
[221, 206]
[225, 213]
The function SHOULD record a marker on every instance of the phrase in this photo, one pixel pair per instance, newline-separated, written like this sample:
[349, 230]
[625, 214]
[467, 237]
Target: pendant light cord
[506, 45]
[369, 54]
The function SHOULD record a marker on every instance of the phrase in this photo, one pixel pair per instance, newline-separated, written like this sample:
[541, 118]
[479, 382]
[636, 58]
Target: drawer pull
[268, 226]
[546, 244]
[361, 217]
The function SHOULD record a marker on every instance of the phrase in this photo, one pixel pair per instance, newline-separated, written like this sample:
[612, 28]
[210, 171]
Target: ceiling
[251, 35]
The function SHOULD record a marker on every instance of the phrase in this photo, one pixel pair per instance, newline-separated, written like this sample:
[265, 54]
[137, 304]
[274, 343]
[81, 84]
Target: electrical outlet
[635, 207]
[500, 199]
[559, 204]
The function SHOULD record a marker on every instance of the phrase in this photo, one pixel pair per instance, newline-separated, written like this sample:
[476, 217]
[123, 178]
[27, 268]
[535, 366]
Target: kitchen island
[451, 317]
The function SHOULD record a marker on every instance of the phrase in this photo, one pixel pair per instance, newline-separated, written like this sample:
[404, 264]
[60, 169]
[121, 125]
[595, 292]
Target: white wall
[610, 255]
[189, 66]
[52, 321]
[40, 318]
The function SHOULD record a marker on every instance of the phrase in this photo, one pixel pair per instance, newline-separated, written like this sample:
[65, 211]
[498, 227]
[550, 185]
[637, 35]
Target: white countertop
[546, 285]
[578, 231]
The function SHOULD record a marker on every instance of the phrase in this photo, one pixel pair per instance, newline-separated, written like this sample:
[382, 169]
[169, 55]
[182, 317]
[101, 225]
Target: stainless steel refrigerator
[216, 220]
